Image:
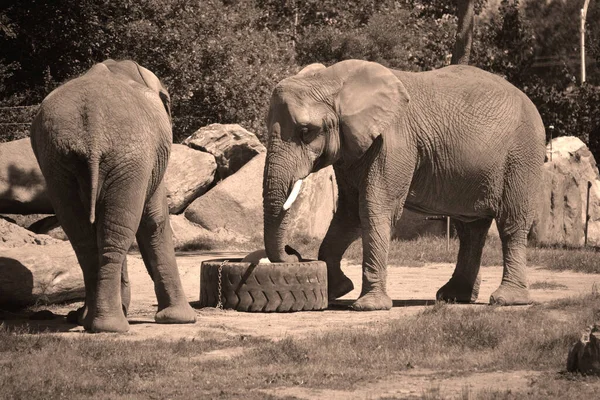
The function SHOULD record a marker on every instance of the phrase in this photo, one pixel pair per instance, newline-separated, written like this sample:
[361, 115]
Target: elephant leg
[514, 221]
[73, 217]
[118, 214]
[155, 240]
[376, 236]
[383, 190]
[463, 287]
[514, 289]
[343, 230]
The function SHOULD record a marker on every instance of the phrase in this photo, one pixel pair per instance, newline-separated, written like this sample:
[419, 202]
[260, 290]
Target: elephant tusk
[293, 195]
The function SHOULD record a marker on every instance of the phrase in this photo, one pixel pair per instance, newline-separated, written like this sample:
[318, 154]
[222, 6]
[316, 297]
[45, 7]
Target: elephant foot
[176, 314]
[459, 291]
[373, 301]
[510, 296]
[339, 286]
[117, 324]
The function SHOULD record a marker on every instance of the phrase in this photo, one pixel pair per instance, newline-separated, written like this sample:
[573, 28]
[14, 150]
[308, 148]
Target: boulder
[22, 185]
[230, 144]
[189, 174]
[33, 274]
[561, 207]
[313, 209]
[584, 356]
[12, 235]
[186, 232]
[44, 225]
[235, 204]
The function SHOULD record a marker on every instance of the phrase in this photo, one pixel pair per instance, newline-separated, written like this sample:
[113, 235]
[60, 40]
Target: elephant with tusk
[103, 142]
[456, 141]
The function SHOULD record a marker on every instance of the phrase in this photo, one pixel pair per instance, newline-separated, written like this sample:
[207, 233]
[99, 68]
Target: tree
[463, 43]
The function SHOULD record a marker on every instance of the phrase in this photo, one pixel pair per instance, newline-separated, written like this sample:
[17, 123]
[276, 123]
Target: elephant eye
[306, 134]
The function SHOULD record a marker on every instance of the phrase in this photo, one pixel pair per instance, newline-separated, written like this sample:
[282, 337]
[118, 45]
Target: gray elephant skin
[103, 141]
[456, 141]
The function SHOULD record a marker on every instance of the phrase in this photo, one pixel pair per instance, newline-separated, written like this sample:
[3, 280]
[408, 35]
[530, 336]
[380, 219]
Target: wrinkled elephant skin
[457, 141]
[103, 142]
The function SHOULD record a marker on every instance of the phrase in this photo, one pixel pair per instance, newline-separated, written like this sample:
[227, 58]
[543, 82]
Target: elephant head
[320, 117]
[132, 70]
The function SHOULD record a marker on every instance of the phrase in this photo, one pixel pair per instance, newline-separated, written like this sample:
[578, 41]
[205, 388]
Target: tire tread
[278, 287]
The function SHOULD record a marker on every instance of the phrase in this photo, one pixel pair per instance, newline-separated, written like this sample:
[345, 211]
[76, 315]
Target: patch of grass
[445, 338]
[548, 386]
[547, 285]
[430, 249]
[426, 250]
[585, 260]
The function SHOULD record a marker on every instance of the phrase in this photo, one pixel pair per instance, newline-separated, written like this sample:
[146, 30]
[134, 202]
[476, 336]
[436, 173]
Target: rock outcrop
[230, 144]
[561, 208]
[32, 274]
[235, 204]
[584, 356]
[186, 233]
[22, 185]
[12, 235]
[313, 210]
[189, 174]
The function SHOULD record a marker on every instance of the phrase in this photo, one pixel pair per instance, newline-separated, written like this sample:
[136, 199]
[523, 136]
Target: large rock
[22, 185]
[231, 145]
[584, 356]
[561, 209]
[189, 174]
[12, 235]
[313, 210]
[32, 274]
[235, 204]
[186, 233]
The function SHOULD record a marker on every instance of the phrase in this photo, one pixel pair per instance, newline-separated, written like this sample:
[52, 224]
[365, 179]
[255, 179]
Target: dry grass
[426, 250]
[429, 249]
[444, 338]
[547, 285]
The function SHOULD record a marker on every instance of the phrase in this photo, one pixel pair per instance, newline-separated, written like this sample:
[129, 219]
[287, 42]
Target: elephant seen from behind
[103, 142]
[457, 141]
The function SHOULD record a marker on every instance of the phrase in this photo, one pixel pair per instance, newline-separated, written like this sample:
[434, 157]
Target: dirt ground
[412, 289]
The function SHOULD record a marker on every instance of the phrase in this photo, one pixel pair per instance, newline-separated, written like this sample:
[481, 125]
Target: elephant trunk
[277, 188]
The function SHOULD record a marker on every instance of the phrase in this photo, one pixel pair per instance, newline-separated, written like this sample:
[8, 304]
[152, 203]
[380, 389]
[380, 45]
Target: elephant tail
[94, 165]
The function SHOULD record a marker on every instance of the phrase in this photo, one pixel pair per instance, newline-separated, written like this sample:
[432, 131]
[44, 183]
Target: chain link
[219, 286]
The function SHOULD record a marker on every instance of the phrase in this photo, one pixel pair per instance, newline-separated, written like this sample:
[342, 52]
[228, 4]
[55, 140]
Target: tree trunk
[464, 32]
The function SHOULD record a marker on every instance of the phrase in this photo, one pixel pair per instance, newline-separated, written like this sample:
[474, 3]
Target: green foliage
[220, 59]
[216, 66]
[573, 111]
[536, 48]
[398, 38]
[506, 44]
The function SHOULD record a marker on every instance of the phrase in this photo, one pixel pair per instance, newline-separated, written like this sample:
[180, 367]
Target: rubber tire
[277, 287]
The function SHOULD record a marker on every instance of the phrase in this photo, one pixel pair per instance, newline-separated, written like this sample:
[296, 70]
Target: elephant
[457, 141]
[103, 141]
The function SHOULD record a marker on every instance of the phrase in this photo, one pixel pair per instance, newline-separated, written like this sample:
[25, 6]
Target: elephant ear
[370, 101]
[311, 69]
[143, 76]
[154, 83]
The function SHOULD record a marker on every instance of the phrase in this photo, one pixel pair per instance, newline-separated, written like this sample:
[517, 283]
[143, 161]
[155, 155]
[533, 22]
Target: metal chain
[219, 286]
